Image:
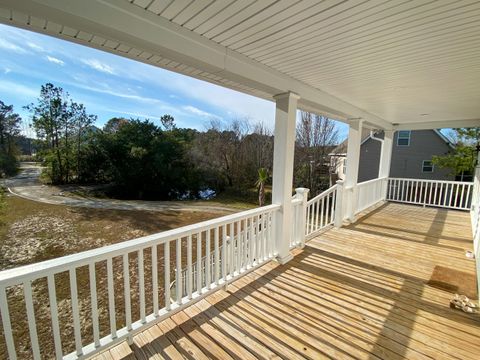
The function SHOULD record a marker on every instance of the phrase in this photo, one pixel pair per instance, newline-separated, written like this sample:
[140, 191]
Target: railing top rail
[33, 271]
[323, 194]
[435, 181]
[364, 183]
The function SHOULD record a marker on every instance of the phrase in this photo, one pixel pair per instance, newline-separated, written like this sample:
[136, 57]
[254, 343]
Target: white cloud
[199, 112]
[55, 60]
[99, 66]
[7, 45]
[35, 47]
[7, 70]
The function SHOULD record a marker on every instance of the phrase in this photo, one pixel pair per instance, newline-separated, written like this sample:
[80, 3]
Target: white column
[385, 160]
[284, 147]
[353, 159]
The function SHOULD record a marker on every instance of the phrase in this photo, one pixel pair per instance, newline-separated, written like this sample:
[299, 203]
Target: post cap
[302, 190]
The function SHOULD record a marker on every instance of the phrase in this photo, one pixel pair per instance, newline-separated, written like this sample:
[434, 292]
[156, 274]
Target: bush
[8, 164]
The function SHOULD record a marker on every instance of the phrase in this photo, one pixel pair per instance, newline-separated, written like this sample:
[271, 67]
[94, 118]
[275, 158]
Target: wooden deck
[378, 289]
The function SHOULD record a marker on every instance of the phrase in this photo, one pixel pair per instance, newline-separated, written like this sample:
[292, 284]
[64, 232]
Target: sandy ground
[33, 231]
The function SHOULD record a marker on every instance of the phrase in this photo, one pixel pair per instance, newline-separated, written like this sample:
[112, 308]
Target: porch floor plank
[365, 291]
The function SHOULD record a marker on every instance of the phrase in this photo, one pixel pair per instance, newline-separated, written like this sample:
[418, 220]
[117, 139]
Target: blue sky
[109, 85]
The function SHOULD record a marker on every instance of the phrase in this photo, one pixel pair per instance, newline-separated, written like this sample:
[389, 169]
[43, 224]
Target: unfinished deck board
[362, 291]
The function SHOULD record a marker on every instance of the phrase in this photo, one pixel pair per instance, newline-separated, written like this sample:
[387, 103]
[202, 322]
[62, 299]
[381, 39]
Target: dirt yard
[32, 232]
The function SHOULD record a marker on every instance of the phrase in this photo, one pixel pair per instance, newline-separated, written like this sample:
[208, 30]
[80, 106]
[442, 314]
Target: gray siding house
[411, 156]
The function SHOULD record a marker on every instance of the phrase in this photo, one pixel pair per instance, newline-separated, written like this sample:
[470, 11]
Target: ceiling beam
[443, 124]
[133, 26]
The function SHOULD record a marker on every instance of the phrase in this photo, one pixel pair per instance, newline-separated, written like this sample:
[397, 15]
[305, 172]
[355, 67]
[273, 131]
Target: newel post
[338, 221]
[301, 194]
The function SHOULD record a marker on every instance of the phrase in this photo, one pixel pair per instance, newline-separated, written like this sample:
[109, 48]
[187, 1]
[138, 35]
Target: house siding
[406, 160]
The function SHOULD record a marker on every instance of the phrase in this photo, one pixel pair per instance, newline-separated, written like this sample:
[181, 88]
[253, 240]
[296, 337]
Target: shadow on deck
[377, 289]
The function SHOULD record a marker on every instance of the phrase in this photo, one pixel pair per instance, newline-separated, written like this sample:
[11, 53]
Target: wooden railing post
[339, 205]
[301, 194]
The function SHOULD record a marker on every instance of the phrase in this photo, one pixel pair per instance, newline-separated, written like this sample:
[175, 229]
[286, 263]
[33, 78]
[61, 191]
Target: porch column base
[285, 259]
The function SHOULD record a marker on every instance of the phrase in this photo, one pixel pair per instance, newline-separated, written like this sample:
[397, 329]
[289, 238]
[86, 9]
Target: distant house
[411, 156]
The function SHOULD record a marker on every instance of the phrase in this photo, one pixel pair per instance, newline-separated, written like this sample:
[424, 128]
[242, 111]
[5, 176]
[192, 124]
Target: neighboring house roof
[341, 149]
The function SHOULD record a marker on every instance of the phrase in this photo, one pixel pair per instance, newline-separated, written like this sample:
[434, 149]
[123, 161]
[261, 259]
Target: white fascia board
[133, 26]
[443, 124]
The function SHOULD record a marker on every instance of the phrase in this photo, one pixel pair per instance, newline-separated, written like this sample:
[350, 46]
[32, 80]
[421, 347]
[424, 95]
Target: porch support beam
[353, 161]
[440, 124]
[284, 148]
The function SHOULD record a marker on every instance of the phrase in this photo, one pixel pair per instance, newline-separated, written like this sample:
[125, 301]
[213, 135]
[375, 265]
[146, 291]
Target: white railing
[320, 211]
[79, 304]
[437, 193]
[370, 193]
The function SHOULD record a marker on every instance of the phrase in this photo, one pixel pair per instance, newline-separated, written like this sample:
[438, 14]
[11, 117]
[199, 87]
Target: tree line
[143, 160]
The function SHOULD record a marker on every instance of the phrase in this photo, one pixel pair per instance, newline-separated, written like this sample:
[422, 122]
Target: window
[427, 166]
[344, 170]
[403, 138]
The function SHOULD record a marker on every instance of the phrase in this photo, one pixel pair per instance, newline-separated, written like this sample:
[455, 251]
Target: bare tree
[316, 137]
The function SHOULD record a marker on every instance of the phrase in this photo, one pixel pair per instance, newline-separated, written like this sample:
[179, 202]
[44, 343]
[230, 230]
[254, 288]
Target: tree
[9, 130]
[462, 159]
[260, 184]
[60, 123]
[316, 137]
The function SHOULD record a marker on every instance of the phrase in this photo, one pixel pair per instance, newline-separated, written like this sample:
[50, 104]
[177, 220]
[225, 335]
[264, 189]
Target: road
[27, 185]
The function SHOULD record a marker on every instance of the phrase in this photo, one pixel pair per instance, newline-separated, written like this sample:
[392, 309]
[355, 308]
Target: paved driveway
[27, 185]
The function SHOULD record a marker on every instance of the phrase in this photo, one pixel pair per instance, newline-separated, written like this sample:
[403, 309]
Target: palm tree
[260, 184]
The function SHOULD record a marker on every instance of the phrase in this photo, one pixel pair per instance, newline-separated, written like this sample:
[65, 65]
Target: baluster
[111, 299]
[224, 253]
[189, 267]
[75, 313]
[259, 237]
[217, 256]
[230, 253]
[462, 199]
[93, 300]
[178, 276]
[141, 284]
[208, 280]
[250, 243]
[334, 201]
[246, 239]
[239, 245]
[7, 325]
[451, 186]
[199, 263]
[126, 292]
[445, 194]
[166, 256]
[32, 325]
[467, 198]
[155, 280]
[52, 295]
[307, 223]
[322, 205]
[317, 211]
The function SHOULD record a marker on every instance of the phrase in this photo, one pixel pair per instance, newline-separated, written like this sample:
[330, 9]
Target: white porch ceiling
[395, 63]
